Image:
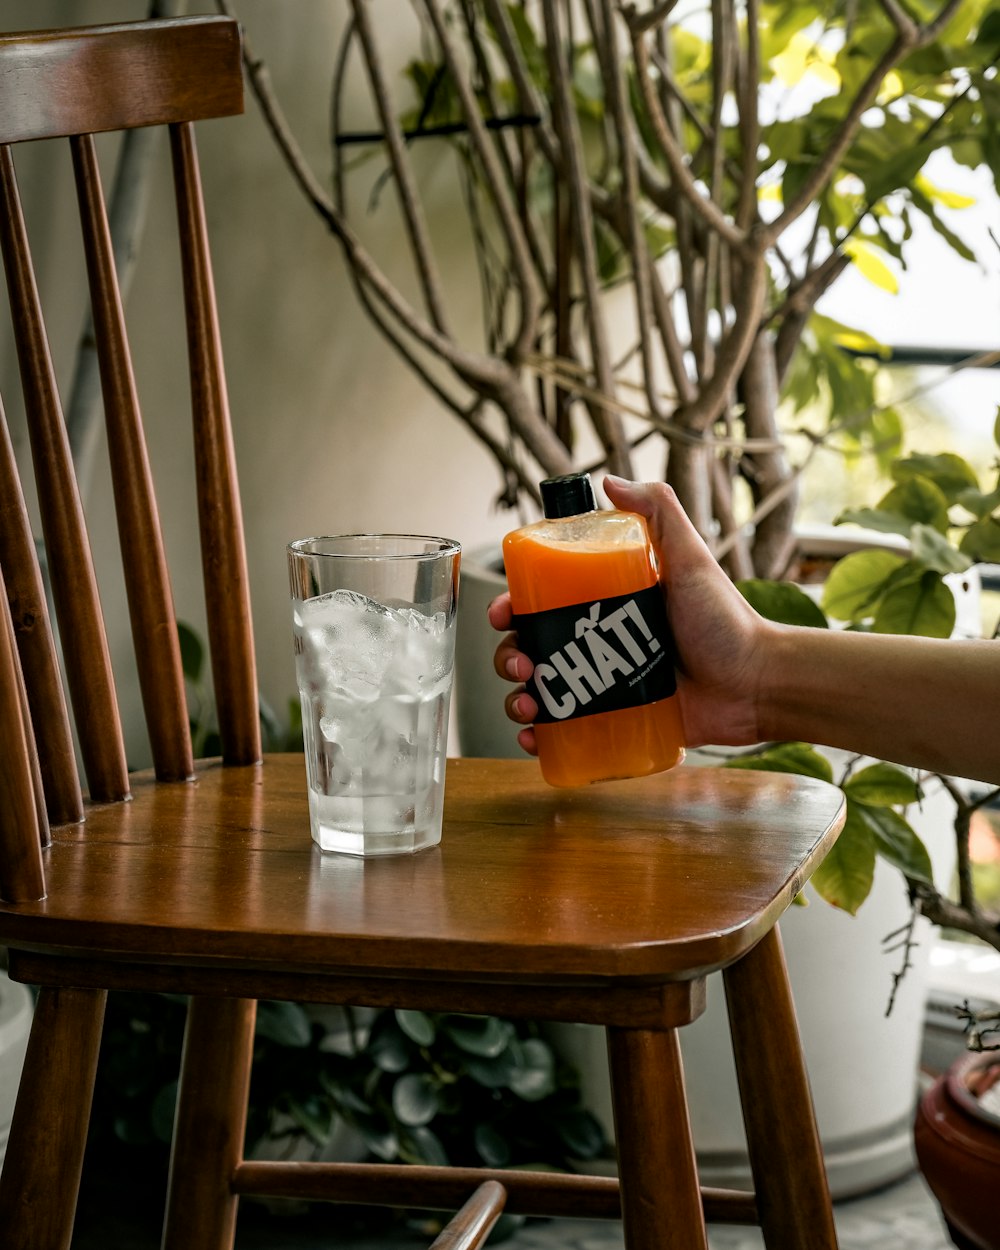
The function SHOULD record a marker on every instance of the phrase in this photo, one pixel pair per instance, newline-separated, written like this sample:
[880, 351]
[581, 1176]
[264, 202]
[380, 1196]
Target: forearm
[930, 703]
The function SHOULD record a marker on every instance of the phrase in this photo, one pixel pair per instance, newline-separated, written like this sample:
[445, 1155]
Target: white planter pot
[15, 1024]
[483, 730]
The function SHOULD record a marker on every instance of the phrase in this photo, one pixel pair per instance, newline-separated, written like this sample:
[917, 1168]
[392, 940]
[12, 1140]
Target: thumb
[675, 538]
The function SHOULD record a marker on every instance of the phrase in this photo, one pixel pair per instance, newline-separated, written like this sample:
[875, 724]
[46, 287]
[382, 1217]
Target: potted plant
[958, 1145]
[652, 219]
[654, 202]
[347, 1084]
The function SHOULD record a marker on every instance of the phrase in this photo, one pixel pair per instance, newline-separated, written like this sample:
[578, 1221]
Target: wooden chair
[609, 905]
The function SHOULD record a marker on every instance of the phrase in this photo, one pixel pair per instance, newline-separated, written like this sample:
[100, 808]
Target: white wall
[332, 432]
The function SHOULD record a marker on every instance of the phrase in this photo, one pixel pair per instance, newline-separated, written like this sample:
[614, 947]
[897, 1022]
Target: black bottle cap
[569, 495]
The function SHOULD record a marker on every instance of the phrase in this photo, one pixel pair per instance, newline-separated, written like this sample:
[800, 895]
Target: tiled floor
[901, 1217]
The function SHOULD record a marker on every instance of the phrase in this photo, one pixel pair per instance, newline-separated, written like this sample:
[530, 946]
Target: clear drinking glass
[374, 623]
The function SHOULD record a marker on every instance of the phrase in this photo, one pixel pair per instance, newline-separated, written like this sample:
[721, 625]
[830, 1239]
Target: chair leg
[661, 1200]
[48, 1134]
[210, 1124]
[793, 1197]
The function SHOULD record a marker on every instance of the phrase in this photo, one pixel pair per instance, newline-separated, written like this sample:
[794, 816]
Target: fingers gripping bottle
[590, 613]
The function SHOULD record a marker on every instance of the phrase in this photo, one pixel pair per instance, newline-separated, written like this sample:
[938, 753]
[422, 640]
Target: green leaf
[876, 519]
[496, 1072]
[192, 652]
[491, 1146]
[926, 206]
[418, 1026]
[882, 785]
[887, 428]
[897, 842]
[845, 876]
[388, 1047]
[925, 607]
[787, 757]
[414, 1099]
[949, 473]
[856, 582]
[422, 1145]
[485, 1036]
[921, 500]
[312, 1116]
[284, 1023]
[659, 240]
[346, 1097]
[293, 738]
[781, 601]
[982, 541]
[379, 1139]
[853, 339]
[581, 1134]
[940, 195]
[870, 265]
[978, 502]
[932, 548]
[534, 1077]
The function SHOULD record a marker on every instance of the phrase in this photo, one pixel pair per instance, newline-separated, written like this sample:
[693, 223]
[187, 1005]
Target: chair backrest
[75, 84]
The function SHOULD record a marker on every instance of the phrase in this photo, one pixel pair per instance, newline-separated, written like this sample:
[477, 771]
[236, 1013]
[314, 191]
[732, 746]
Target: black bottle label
[599, 656]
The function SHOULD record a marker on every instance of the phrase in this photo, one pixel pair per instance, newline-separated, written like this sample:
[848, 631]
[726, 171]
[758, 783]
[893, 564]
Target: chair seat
[650, 880]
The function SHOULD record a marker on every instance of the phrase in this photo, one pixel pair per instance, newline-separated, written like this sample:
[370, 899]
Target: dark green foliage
[429, 1088]
[469, 1090]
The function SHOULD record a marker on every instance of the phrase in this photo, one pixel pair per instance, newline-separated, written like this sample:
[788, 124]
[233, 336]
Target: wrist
[784, 667]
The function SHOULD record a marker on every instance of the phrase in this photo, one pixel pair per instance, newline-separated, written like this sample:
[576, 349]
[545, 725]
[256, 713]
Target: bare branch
[409, 198]
[909, 37]
[798, 305]
[527, 284]
[710, 212]
[513, 150]
[979, 1025]
[943, 912]
[771, 501]
[630, 197]
[907, 943]
[736, 559]
[734, 349]
[531, 101]
[643, 22]
[484, 372]
[748, 88]
[672, 349]
[575, 377]
[608, 427]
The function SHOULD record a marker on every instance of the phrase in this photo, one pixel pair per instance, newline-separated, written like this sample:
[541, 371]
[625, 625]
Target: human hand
[720, 639]
[514, 665]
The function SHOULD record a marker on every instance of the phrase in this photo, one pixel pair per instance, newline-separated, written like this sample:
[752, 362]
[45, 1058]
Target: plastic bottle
[589, 611]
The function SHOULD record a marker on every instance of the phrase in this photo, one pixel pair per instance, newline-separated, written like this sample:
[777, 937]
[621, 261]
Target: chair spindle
[227, 590]
[36, 648]
[21, 820]
[74, 586]
[147, 581]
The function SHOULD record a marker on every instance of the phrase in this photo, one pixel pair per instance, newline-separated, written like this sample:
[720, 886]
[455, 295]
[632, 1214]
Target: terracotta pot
[958, 1148]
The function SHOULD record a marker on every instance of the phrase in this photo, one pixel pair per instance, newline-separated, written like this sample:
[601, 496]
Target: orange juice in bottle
[590, 613]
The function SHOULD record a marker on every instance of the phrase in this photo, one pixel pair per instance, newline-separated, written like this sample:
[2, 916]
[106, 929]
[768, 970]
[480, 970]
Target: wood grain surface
[669, 875]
